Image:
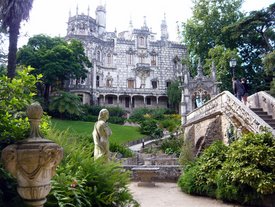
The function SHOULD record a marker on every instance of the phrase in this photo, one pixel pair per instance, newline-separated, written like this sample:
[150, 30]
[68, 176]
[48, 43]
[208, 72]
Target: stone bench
[146, 175]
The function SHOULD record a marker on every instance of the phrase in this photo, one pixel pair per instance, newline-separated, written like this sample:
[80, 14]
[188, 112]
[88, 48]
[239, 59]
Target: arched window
[141, 41]
[153, 60]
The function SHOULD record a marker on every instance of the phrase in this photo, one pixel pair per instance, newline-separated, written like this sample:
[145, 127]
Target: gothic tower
[101, 18]
[164, 32]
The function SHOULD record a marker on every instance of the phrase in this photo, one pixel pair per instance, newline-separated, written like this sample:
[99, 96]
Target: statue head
[103, 115]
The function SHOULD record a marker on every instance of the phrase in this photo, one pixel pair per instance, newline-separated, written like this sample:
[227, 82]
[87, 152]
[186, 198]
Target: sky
[50, 16]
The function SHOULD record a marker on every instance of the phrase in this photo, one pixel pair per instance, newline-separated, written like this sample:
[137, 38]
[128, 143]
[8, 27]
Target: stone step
[263, 115]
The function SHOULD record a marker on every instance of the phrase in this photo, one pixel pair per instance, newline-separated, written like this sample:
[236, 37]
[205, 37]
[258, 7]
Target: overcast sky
[50, 16]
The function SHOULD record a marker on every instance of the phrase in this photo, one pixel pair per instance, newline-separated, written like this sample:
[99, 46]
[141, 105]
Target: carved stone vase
[33, 161]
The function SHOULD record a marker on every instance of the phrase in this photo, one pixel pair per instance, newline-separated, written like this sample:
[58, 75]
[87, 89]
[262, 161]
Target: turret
[101, 18]
[164, 32]
[131, 28]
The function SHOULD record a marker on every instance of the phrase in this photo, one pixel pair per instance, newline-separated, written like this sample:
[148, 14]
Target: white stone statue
[101, 134]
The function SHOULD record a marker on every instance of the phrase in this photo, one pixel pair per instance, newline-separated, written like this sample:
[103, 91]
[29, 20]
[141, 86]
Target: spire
[76, 9]
[70, 13]
[199, 69]
[213, 70]
[130, 23]
[88, 10]
[164, 31]
[144, 22]
[178, 32]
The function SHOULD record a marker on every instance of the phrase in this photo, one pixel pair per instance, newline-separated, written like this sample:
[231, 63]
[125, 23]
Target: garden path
[170, 195]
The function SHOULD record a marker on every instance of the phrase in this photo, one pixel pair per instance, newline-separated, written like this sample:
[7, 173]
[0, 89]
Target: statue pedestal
[146, 176]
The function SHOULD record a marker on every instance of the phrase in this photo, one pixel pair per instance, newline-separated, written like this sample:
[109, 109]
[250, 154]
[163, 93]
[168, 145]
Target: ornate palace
[130, 68]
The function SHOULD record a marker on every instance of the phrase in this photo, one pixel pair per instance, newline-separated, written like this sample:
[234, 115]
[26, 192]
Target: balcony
[132, 91]
[142, 67]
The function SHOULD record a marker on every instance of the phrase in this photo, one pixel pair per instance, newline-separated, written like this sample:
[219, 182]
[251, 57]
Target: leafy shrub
[138, 114]
[187, 154]
[172, 146]
[200, 177]
[8, 193]
[116, 120]
[248, 174]
[149, 127]
[66, 104]
[16, 95]
[118, 148]
[89, 182]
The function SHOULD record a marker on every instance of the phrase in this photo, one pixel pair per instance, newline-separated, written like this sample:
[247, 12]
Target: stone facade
[130, 69]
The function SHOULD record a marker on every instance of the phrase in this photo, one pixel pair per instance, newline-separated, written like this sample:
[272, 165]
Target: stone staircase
[263, 115]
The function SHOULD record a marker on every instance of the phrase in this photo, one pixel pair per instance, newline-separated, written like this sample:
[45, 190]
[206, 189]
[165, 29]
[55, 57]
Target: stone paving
[169, 195]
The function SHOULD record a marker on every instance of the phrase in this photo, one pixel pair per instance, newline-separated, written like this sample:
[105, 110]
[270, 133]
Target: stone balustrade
[262, 100]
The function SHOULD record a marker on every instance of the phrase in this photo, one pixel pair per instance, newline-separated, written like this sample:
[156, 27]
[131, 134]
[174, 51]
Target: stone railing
[132, 91]
[228, 105]
[262, 100]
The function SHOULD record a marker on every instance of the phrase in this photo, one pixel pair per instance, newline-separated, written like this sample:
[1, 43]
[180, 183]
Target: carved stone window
[98, 55]
[131, 83]
[141, 41]
[109, 59]
[97, 80]
[154, 84]
[130, 59]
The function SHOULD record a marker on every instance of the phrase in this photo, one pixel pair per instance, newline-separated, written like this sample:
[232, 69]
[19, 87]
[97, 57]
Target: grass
[120, 134]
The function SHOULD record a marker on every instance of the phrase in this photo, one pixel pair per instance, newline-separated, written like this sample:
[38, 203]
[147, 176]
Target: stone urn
[33, 161]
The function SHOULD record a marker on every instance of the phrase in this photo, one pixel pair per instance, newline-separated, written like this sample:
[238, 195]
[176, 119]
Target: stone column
[33, 161]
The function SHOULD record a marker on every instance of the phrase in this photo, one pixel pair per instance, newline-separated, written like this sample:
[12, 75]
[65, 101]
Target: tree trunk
[13, 38]
[47, 94]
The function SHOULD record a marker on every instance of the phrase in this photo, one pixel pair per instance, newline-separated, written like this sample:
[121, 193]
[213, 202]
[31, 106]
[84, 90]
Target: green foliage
[170, 122]
[11, 15]
[149, 127]
[140, 114]
[56, 59]
[244, 172]
[89, 183]
[209, 14]
[87, 112]
[122, 150]
[203, 177]
[172, 146]
[221, 56]
[187, 154]
[249, 171]
[15, 96]
[8, 194]
[66, 103]
[174, 95]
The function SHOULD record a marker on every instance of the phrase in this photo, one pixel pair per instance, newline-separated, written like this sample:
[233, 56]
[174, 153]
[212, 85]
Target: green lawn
[121, 134]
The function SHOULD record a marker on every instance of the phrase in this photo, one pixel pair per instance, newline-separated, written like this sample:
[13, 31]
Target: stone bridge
[225, 118]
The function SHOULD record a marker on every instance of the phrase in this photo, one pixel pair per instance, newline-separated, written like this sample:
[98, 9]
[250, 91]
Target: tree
[12, 12]
[221, 56]
[255, 37]
[174, 95]
[204, 30]
[56, 59]
[269, 66]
